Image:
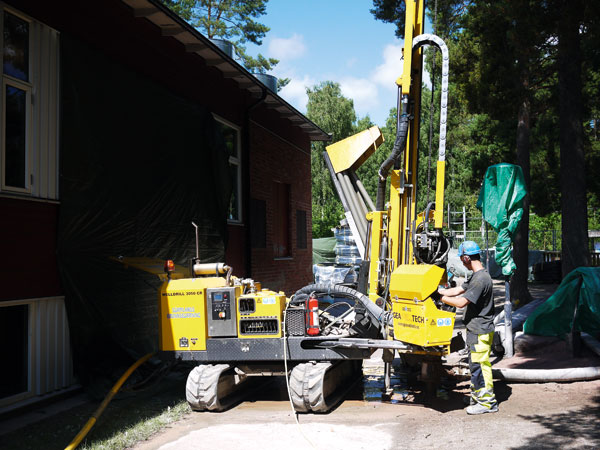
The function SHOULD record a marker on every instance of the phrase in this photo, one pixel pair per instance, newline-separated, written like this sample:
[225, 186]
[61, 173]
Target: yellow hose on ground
[92, 421]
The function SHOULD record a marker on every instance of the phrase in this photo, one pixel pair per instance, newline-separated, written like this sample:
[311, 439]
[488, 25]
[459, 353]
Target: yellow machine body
[260, 314]
[182, 312]
[416, 318]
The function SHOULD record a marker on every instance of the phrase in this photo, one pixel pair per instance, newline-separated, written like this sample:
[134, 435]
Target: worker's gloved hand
[436, 296]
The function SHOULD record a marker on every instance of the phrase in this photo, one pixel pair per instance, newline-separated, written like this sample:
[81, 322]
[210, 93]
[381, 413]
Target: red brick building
[121, 124]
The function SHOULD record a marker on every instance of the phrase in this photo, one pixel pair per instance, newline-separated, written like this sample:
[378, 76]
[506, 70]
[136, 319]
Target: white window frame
[26, 86]
[235, 160]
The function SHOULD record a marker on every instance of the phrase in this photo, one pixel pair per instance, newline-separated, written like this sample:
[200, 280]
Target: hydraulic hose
[402, 132]
[377, 313]
[92, 420]
[399, 145]
[432, 39]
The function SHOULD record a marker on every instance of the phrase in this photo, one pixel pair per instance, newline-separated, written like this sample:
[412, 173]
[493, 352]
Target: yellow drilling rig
[234, 329]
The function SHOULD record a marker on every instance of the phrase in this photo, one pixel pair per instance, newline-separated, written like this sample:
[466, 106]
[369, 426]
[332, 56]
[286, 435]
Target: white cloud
[295, 91]
[373, 93]
[287, 49]
[427, 78]
[390, 70]
[363, 91]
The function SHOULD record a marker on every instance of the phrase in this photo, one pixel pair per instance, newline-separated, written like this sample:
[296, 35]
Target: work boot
[480, 409]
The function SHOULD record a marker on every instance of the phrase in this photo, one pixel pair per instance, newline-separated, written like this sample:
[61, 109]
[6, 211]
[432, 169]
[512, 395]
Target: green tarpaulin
[575, 303]
[323, 250]
[501, 203]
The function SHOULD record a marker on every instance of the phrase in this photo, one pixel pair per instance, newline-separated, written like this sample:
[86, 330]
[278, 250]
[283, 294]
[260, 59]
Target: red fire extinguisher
[312, 316]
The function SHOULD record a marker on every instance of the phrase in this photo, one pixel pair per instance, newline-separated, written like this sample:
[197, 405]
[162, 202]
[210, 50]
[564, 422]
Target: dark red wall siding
[138, 44]
[28, 267]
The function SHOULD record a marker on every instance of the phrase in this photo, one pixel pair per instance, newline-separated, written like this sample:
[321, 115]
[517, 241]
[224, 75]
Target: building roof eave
[173, 26]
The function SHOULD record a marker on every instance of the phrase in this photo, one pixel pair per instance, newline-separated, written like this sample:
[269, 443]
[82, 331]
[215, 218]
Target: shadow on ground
[571, 429]
[126, 409]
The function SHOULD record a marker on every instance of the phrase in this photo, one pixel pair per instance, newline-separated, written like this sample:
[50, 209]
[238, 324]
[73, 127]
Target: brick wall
[275, 159]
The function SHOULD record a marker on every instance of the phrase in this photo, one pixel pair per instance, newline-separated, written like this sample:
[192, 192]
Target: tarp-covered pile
[574, 306]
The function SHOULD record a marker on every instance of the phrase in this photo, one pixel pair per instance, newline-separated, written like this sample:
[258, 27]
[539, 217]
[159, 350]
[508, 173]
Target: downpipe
[508, 331]
[246, 181]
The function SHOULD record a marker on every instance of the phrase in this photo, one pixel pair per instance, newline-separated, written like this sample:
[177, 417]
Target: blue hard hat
[468, 248]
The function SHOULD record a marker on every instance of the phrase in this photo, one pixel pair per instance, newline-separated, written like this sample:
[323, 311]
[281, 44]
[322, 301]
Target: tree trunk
[575, 250]
[518, 285]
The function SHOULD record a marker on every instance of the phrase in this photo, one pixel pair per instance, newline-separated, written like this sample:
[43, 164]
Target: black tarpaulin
[138, 165]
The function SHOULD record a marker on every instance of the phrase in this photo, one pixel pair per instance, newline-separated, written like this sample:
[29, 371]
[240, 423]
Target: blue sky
[337, 40]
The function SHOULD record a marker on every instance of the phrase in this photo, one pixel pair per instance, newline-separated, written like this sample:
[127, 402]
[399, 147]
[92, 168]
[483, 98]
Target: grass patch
[141, 430]
[129, 418]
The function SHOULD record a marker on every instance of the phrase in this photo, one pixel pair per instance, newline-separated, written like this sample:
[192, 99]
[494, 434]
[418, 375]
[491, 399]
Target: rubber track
[318, 387]
[202, 388]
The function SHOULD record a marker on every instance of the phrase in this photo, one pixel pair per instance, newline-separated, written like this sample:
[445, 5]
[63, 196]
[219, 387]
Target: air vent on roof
[268, 80]
[224, 46]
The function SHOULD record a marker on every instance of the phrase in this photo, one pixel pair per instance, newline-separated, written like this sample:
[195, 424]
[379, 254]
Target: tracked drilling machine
[319, 336]
[404, 253]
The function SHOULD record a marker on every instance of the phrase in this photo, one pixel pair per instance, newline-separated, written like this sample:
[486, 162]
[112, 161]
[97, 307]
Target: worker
[477, 295]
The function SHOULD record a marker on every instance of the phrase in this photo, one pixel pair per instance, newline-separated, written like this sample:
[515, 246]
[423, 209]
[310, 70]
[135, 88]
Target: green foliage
[501, 52]
[281, 83]
[232, 20]
[334, 113]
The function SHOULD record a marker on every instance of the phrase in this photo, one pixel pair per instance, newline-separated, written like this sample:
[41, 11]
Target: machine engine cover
[416, 318]
[182, 313]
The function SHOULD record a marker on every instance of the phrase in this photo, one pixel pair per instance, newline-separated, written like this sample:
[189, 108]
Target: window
[14, 328]
[16, 104]
[231, 135]
[29, 106]
[301, 229]
[281, 232]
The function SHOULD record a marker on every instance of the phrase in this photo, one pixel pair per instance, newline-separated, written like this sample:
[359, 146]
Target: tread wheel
[201, 389]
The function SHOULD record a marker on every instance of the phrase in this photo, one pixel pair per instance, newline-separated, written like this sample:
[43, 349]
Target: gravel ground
[535, 415]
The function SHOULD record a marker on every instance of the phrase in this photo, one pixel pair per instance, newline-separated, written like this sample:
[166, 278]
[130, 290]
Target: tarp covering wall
[138, 165]
[574, 306]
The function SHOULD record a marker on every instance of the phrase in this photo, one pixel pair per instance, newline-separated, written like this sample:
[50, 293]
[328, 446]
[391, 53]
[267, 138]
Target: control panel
[220, 312]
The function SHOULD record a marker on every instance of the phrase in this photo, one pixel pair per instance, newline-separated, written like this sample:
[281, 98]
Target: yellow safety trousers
[482, 382]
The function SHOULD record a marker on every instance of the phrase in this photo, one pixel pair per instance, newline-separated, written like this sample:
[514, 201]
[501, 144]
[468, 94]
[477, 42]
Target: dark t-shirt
[479, 315]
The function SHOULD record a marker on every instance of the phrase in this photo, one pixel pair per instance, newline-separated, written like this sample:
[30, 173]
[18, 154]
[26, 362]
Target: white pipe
[508, 330]
[548, 375]
[554, 375]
